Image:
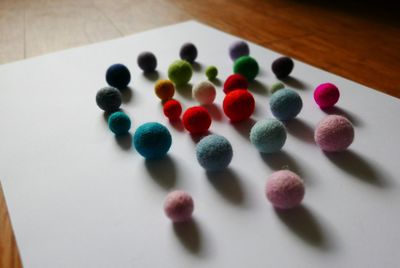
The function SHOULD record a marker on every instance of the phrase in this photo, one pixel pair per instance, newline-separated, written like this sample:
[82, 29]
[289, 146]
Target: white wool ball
[204, 92]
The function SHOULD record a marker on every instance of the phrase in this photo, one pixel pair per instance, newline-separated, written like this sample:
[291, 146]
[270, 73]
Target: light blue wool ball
[268, 135]
[152, 140]
[119, 123]
[214, 152]
[285, 104]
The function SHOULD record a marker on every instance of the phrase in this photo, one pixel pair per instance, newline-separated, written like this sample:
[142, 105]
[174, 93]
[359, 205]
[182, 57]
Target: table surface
[352, 41]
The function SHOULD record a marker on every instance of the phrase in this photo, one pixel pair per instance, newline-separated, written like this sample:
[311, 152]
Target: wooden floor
[359, 40]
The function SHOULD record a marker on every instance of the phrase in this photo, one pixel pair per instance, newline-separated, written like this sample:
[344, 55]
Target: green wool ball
[180, 72]
[276, 86]
[246, 66]
[211, 72]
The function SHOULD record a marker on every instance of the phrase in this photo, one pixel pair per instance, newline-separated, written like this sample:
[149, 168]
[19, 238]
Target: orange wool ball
[164, 89]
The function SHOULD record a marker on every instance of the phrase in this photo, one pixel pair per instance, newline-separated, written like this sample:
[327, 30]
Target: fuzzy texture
[238, 49]
[268, 135]
[178, 206]
[147, 61]
[282, 67]
[276, 86]
[214, 152]
[238, 105]
[109, 99]
[196, 120]
[246, 66]
[188, 52]
[204, 92]
[152, 140]
[119, 123]
[164, 89]
[284, 189]
[172, 109]
[235, 81]
[326, 95]
[118, 76]
[334, 133]
[211, 72]
[180, 72]
[285, 104]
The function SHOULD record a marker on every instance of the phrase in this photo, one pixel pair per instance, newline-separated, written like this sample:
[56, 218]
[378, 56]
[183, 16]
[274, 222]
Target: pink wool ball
[284, 189]
[334, 133]
[178, 206]
[326, 95]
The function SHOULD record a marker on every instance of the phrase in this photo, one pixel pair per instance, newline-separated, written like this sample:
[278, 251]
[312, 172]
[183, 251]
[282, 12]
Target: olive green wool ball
[246, 66]
[211, 72]
[180, 72]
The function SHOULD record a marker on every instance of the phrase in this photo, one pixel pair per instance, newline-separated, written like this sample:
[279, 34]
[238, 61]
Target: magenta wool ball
[284, 189]
[326, 95]
[178, 206]
[334, 133]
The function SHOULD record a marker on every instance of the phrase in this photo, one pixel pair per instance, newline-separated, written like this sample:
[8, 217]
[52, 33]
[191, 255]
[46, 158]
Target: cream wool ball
[204, 93]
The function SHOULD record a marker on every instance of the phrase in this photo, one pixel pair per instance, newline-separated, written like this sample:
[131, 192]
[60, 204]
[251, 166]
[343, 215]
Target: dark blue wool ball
[285, 104]
[108, 99]
[147, 61]
[282, 67]
[214, 152]
[238, 49]
[188, 52]
[118, 76]
[119, 123]
[152, 140]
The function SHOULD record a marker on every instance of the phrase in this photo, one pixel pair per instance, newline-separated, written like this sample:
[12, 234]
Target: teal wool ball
[214, 152]
[285, 104]
[119, 123]
[180, 72]
[152, 140]
[247, 67]
[268, 135]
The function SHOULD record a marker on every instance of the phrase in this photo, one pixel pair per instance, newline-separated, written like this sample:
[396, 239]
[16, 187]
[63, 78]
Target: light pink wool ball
[284, 189]
[334, 133]
[178, 206]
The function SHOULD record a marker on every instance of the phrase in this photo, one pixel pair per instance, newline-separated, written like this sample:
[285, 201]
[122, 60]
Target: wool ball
[178, 206]
[152, 140]
[211, 72]
[238, 105]
[108, 99]
[119, 123]
[285, 104]
[204, 92]
[214, 152]
[284, 189]
[188, 52]
[246, 66]
[235, 81]
[334, 133]
[196, 120]
[268, 135]
[164, 89]
[147, 61]
[180, 72]
[172, 109]
[238, 49]
[118, 76]
[276, 86]
[282, 67]
[326, 95]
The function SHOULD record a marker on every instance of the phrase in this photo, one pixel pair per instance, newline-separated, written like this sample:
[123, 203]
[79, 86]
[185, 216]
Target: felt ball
[285, 104]
[238, 49]
[196, 120]
[188, 52]
[334, 133]
[172, 109]
[268, 135]
[180, 72]
[152, 140]
[119, 123]
[282, 67]
[204, 92]
[238, 105]
[214, 152]
[276, 86]
[178, 206]
[164, 89]
[108, 99]
[284, 189]
[235, 81]
[118, 76]
[326, 95]
[246, 66]
[147, 61]
[211, 72]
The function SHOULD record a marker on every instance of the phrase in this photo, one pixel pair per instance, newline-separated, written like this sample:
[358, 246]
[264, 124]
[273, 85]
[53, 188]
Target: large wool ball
[204, 92]
[326, 95]
[152, 140]
[238, 49]
[172, 109]
[235, 81]
[180, 72]
[282, 67]
[285, 104]
[268, 135]
[118, 76]
[188, 52]
[238, 105]
[196, 120]
[214, 152]
[119, 123]
[178, 206]
[147, 61]
[246, 66]
[109, 99]
[164, 89]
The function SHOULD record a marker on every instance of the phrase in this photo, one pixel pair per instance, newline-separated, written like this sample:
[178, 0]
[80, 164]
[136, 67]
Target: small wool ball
[211, 72]
[334, 133]
[188, 52]
[118, 76]
[179, 206]
[180, 72]
[152, 140]
[235, 81]
[214, 152]
[147, 61]
[285, 104]
[204, 92]
[276, 86]
[196, 120]
[164, 89]
[109, 99]
[268, 135]
[238, 49]
[246, 66]
[282, 67]
[238, 105]
[119, 123]
[172, 109]
[326, 95]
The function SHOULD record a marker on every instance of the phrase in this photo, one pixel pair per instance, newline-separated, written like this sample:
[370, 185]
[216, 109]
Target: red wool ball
[172, 109]
[196, 120]
[235, 81]
[239, 105]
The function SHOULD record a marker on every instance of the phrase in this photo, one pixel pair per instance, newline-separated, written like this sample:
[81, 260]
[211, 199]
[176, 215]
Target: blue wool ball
[152, 140]
[118, 76]
[214, 152]
[119, 123]
[268, 135]
[285, 104]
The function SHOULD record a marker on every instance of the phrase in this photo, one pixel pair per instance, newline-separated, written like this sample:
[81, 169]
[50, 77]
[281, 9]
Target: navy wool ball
[119, 123]
[282, 67]
[268, 135]
[285, 104]
[147, 61]
[118, 76]
[152, 140]
[214, 152]
[108, 99]
[188, 52]
[238, 49]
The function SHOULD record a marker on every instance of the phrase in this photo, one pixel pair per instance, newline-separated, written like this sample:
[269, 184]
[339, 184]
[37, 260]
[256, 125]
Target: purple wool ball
[238, 49]
[178, 206]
